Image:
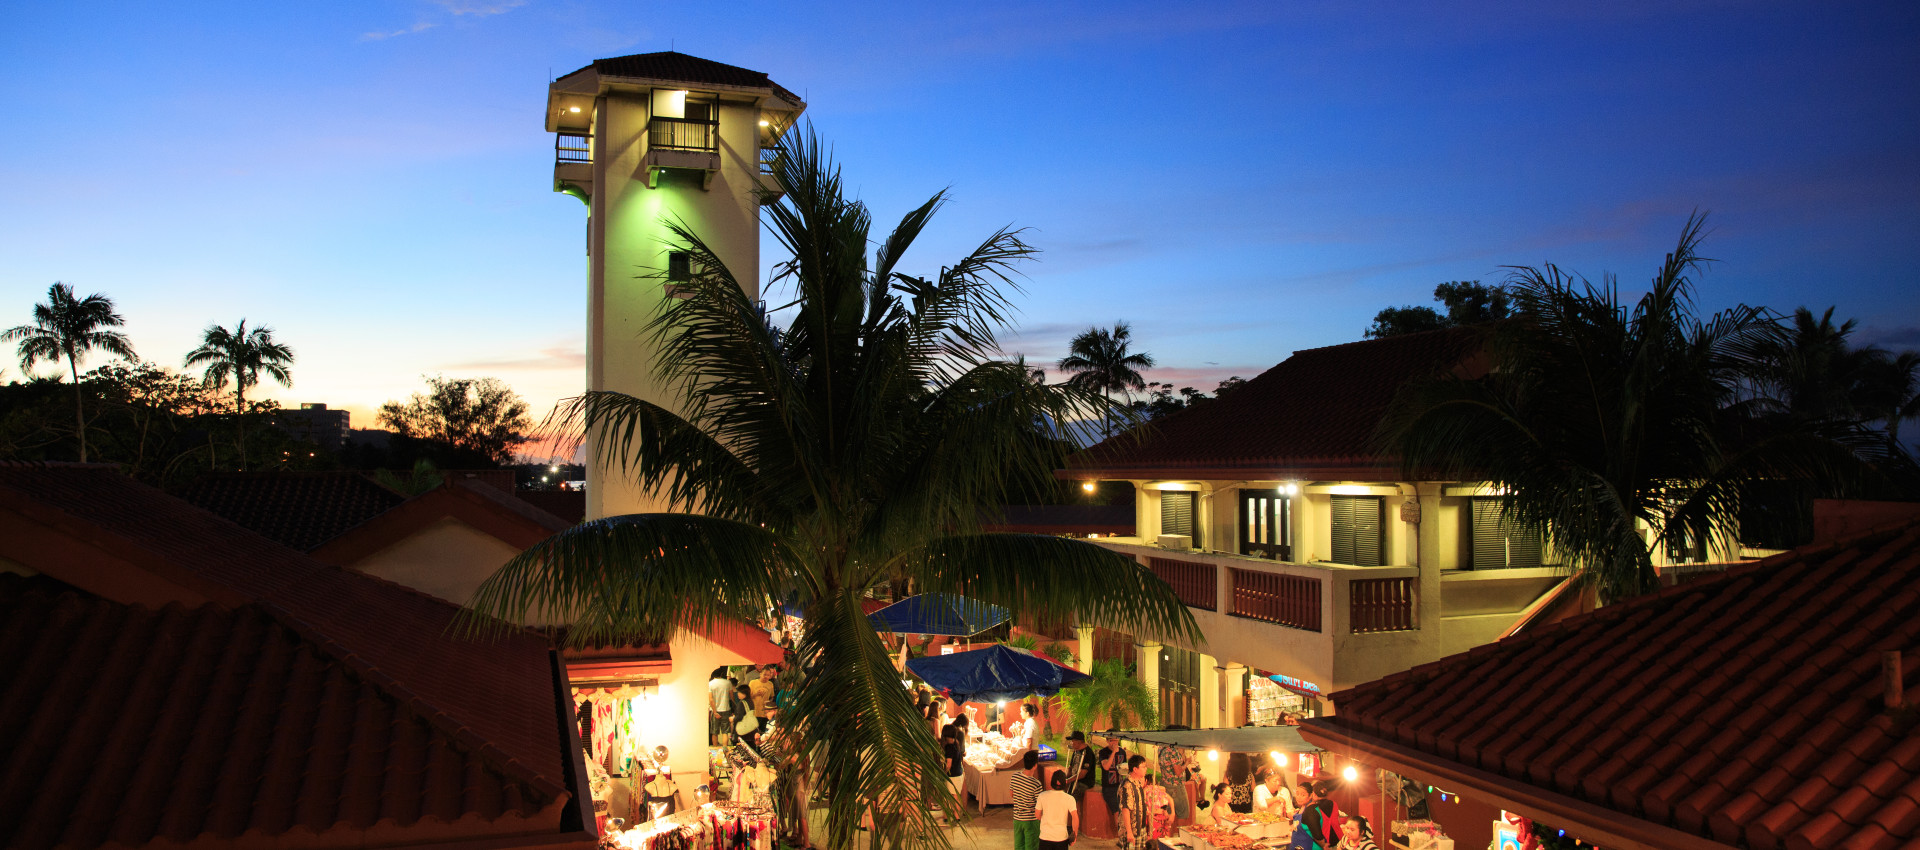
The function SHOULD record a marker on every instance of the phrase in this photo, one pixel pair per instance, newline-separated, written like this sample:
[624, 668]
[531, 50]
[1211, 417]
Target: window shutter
[1369, 531]
[1489, 539]
[1523, 548]
[1341, 509]
[1176, 514]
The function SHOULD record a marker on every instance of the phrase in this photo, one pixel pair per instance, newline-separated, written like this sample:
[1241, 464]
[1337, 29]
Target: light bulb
[1213, 755]
[1089, 486]
[1276, 756]
[1349, 773]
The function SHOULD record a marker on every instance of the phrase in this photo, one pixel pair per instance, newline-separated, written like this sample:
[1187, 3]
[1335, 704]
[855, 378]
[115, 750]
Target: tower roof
[672, 66]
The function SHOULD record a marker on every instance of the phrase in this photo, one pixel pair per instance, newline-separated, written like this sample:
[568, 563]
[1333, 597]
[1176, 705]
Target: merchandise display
[1420, 835]
[1266, 701]
[713, 826]
[993, 753]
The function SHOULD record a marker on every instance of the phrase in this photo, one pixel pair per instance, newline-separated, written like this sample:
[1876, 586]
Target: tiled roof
[130, 726]
[679, 67]
[497, 697]
[1746, 709]
[1315, 411]
[300, 509]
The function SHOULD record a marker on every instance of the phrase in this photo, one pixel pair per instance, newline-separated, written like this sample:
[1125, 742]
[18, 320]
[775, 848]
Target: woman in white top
[1022, 729]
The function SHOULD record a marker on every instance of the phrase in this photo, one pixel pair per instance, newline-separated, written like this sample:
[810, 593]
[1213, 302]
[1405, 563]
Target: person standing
[1172, 767]
[720, 693]
[1133, 805]
[955, 751]
[1059, 815]
[1022, 728]
[1079, 765]
[1113, 769]
[762, 690]
[1025, 790]
[1239, 783]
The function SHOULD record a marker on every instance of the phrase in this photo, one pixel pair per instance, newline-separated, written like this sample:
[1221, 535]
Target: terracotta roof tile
[1264, 424]
[133, 725]
[494, 701]
[1743, 708]
[300, 509]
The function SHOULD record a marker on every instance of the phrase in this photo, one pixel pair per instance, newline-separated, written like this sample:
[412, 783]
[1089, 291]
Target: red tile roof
[1745, 709]
[129, 726]
[300, 509]
[1313, 415]
[498, 699]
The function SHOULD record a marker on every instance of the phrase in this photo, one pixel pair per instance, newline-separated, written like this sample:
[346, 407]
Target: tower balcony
[573, 163]
[686, 143]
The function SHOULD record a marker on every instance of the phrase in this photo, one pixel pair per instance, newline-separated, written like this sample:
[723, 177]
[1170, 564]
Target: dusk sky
[372, 179]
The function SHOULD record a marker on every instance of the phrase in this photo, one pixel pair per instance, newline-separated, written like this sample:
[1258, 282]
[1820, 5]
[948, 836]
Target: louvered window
[1176, 515]
[1359, 530]
[1266, 525]
[1498, 543]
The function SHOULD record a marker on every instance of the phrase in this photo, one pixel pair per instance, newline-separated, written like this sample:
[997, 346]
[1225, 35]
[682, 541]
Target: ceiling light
[1089, 486]
[575, 110]
[763, 122]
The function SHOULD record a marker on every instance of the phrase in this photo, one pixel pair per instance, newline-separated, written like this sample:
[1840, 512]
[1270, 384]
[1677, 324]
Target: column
[1147, 668]
[1209, 692]
[1084, 635]
[1236, 701]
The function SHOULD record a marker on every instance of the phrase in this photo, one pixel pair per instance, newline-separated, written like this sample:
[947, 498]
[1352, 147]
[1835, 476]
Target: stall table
[988, 789]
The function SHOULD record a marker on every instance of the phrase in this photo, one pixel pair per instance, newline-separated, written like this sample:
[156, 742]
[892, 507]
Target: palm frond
[1057, 575]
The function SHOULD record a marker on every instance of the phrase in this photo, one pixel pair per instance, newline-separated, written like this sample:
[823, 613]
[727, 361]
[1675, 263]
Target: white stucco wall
[448, 559]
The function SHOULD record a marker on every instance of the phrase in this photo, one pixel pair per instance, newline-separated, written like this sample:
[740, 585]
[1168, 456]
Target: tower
[641, 140]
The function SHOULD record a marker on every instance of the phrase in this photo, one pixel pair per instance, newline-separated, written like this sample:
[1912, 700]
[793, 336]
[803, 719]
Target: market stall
[713, 826]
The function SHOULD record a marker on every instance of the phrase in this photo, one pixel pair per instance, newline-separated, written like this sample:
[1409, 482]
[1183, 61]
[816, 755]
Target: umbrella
[939, 614]
[996, 673]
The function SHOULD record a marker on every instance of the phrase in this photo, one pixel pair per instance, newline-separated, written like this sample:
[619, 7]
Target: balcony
[573, 163]
[683, 143]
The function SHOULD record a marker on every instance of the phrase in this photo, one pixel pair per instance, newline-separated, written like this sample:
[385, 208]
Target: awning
[939, 614]
[1246, 739]
[995, 673]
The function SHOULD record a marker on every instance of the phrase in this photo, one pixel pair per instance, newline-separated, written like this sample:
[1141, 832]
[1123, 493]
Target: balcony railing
[1380, 604]
[1287, 600]
[572, 147]
[685, 134]
[1197, 585]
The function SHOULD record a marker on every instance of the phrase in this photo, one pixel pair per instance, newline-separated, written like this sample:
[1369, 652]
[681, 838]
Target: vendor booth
[993, 675]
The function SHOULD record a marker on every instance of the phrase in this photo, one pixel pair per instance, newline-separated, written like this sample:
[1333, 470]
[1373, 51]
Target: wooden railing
[1197, 585]
[1380, 604]
[1276, 598]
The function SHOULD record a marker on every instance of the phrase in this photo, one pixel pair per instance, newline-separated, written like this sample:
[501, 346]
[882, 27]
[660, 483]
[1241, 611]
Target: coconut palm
[851, 447]
[1103, 361]
[241, 355]
[69, 328]
[1598, 418]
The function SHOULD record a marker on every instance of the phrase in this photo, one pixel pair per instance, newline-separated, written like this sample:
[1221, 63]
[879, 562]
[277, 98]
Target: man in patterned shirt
[1025, 787]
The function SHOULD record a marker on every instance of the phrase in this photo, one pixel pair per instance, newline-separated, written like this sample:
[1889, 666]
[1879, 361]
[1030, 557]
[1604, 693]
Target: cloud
[547, 359]
[479, 8]
[1891, 337]
[423, 26]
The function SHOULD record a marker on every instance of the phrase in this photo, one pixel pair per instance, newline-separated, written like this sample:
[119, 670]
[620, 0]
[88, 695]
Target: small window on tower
[679, 266]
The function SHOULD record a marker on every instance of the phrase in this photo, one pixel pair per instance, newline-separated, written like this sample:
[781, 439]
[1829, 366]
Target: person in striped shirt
[1025, 788]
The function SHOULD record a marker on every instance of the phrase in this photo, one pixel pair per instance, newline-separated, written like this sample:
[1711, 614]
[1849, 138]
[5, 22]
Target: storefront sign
[1298, 686]
[1309, 765]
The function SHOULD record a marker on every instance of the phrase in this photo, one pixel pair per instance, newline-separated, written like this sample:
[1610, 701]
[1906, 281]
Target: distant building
[315, 423]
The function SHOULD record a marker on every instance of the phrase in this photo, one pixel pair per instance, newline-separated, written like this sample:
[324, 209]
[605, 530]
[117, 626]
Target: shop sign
[946, 649]
[1309, 765]
[1301, 686]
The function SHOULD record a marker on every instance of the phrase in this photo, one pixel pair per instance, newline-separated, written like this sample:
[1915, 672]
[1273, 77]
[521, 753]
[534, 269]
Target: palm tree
[1811, 371]
[70, 328]
[1597, 418]
[1114, 695]
[241, 354]
[1100, 360]
[852, 447]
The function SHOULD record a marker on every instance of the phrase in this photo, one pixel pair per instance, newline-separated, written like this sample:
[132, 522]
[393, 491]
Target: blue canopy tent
[939, 614]
[996, 673]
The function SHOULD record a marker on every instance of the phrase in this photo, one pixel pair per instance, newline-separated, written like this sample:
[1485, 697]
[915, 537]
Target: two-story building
[1309, 561]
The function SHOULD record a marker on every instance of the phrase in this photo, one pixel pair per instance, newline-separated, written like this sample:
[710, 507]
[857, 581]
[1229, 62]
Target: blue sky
[1238, 180]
